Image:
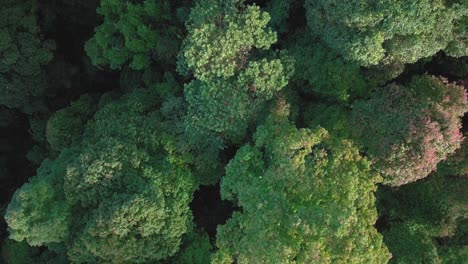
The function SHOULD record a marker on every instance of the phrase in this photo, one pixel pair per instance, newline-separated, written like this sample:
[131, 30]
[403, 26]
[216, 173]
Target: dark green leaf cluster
[23, 253]
[326, 73]
[135, 33]
[22, 54]
[66, 126]
[420, 214]
[232, 82]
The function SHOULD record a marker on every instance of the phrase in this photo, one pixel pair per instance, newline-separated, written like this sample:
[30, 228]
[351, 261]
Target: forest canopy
[237, 131]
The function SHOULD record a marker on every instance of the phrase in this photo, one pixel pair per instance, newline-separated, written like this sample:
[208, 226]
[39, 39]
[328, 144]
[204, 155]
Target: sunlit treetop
[229, 106]
[234, 77]
[305, 198]
[221, 36]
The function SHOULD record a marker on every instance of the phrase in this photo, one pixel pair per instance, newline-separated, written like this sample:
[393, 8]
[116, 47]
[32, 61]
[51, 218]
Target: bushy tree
[23, 53]
[411, 244]
[304, 197]
[228, 106]
[455, 249]
[408, 129]
[135, 32]
[121, 195]
[458, 46]
[234, 80]
[373, 32]
[221, 36]
[38, 211]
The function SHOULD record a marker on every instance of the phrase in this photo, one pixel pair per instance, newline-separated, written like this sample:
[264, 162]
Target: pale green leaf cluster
[219, 42]
[227, 106]
[29, 213]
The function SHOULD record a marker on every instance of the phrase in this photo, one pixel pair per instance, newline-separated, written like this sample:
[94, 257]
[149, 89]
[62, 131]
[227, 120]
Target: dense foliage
[122, 193]
[134, 33]
[305, 197]
[236, 131]
[409, 129]
[22, 53]
[373, 32]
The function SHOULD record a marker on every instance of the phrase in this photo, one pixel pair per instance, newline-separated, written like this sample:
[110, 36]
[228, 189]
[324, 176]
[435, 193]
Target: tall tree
[408, 129]
[304, 198]
[122, 194]
[234, 78]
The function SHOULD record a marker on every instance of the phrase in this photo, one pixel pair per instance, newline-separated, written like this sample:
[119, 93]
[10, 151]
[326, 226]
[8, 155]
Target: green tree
[305, 197]
[196, 249]
[455, 249]
[221, 36]
[458, 46]
[122, 194]
[38, 212]
[228, 106]
[408, 129]
[373, 32]
[135, 32]
[234, 79]
[23, 53]
[411, 244]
